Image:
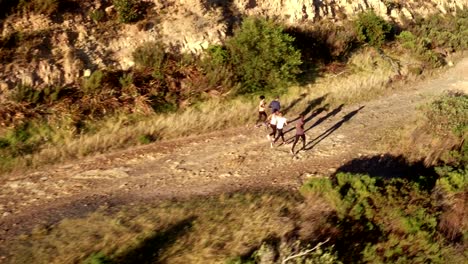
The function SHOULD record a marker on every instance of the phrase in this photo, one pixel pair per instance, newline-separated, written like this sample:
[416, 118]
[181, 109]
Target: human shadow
[148, 250]
[315, 113]
[334, 112]
[311, 144]
[312, 104]
[293, 103]
[389, 166]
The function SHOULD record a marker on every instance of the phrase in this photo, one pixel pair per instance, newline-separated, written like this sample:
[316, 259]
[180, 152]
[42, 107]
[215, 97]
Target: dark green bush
[383, 220]
[261, 56]
[372, 29]
[93, 83]
[127, 10]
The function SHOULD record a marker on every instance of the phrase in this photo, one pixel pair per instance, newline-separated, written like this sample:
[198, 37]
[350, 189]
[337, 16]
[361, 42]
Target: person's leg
[280, 134]
[264, 116]
[273, 132]
[259, 119]
[303, 141]
[296, 139]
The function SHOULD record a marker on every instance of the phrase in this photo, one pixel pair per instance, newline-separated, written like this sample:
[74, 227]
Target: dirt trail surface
[222, 161]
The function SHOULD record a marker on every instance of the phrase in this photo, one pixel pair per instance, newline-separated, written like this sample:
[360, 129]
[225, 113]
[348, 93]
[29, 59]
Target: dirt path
[230, 160]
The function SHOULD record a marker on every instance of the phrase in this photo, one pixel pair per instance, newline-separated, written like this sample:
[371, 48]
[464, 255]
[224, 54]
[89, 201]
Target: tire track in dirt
[237, 159]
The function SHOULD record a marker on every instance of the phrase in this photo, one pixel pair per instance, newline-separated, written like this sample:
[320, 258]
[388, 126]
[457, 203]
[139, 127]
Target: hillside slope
[79, 37]
[221, 161]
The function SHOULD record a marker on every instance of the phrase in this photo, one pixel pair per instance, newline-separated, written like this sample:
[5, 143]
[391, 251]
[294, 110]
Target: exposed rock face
[296, 11]
[78, 45]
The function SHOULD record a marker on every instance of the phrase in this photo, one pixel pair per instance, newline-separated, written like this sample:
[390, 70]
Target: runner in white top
[272, 118]
[281, 122]
[262, 116]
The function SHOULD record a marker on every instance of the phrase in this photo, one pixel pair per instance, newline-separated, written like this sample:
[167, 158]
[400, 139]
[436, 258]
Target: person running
[272, 119]
[262, 116]
[275, 105]
[299, 133]
[281, 122]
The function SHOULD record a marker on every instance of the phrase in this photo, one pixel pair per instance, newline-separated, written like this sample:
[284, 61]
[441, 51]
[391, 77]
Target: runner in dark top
[299, 133]
[275, 105]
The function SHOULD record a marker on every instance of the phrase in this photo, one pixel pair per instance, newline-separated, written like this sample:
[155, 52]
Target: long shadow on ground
[390, 166]
[312, 104]
[332, 129]
[148, 251]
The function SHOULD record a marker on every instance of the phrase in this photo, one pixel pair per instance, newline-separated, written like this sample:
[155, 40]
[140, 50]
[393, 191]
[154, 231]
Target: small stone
[87, 73]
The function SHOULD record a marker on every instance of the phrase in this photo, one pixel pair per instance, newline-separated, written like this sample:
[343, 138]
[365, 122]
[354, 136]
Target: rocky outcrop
[295, 11]
[78, 44]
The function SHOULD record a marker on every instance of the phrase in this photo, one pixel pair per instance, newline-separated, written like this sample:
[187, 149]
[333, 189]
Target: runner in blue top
[275, 105]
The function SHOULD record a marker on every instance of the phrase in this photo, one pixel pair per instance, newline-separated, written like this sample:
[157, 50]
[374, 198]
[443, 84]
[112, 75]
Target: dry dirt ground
[223, 161]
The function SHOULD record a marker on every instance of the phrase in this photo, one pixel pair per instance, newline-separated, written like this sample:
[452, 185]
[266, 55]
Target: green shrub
[127, 10]
[93, 83]
[384, 220]
[449, 114]
[151, 55]
[262, 56]
[421, 47]
[25, 93]
[98, 258]
[126, 80]
[146, 139]
[97, 15]
[372, 29]
[444, 31]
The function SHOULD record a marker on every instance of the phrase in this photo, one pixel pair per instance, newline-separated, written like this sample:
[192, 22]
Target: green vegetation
[414, 215]
[263, 58]
[127, 10]
[449, 115]
[151, 55]
[97, 15]
[93, 84]
[372, 29]
[432, 37]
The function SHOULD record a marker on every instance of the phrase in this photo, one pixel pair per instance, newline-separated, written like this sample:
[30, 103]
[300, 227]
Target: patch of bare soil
[223, 161]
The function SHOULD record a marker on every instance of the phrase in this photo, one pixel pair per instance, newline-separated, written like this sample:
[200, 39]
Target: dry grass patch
[200, 231]
[367, 76]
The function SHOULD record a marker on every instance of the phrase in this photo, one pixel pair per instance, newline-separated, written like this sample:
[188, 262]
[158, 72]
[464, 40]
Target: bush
[27, 94]
[421, 47]
[92, 84]
[449, 114]
[97, 15]
[151, 55]
[372, 29]
[384, 220]
[262, 56]
[127, 10]
[444, 31]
